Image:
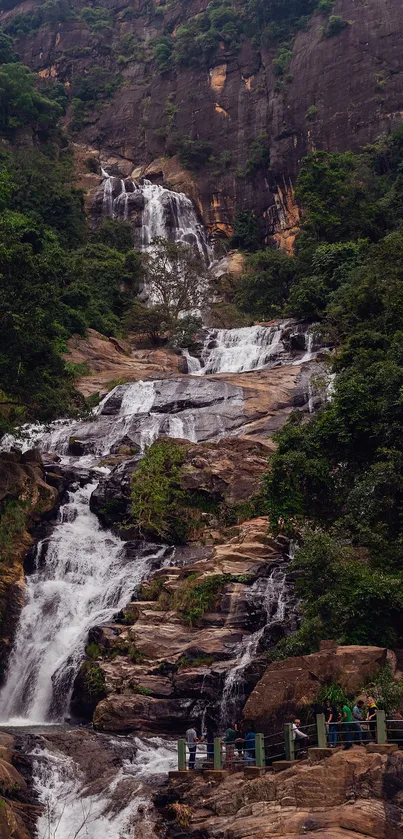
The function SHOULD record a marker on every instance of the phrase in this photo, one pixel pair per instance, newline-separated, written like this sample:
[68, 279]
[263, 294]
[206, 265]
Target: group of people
[344, 725]
[351, 725]
[237, 744]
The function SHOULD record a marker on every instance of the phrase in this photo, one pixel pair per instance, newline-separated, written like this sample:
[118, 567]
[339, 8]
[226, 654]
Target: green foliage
[335, 25]
[94, 680]
[53, 11]
[265, 286]
[352, 602]
[333, 692]
[93, 651]
[13, 518]
[90, 91]
[312, 112]
[194, 597]
[246, 235]
[162, 52]
[21, 104]
[151, 590]
[142, 690]
[387, 692]
[156, 492]
[97, 17]
[8, 54]
[196, 41]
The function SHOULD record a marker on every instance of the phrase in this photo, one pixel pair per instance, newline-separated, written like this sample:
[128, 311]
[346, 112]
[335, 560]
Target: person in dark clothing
[239, 738]
[229, 740]
[332, 722]
[250, 755]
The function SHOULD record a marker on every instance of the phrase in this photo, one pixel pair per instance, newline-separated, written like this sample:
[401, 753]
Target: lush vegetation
[57, 277]
[336, 482]
[157, 493]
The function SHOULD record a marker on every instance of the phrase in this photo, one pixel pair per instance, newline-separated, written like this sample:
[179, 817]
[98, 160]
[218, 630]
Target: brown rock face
[346, 796]
[289, 685]
[233, 101]
[110, 360]
[17, 813]
[159, 671]
[25, 496]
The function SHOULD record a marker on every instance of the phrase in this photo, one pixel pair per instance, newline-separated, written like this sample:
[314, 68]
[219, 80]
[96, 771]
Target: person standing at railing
[331, 717]
[358, 717]
[299, 737]
[250, 741]
[191, 742]
[371, 716]
[348, 728]
[229, 740]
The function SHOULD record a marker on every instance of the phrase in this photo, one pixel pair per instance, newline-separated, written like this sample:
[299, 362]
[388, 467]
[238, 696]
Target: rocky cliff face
[340, 92]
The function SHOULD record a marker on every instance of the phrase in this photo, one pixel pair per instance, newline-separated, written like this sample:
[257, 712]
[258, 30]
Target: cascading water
[82, 577]
[239, 350]
[164, 214]
[271, 594]
[119, 810]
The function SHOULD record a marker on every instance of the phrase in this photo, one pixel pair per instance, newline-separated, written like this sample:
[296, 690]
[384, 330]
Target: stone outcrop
[27, 493]
[158, 668]
[225, 473]
[351, 795]
[290, 685]
[111, 360]
[18, 813]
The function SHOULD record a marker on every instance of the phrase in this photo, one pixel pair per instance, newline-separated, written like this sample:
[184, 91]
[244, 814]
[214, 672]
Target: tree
[265, 286]
[20, 102]
[176, 278]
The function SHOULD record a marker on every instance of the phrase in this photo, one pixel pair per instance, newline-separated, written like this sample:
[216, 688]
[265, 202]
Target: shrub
[94, 680]
[156, 492]
[143, 691]
[312, 111]
[194, 597]
[335, 26]
[246, 235]
[387, 692]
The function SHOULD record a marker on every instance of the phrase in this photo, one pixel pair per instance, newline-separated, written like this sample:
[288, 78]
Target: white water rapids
[81, 581]
[71, 810]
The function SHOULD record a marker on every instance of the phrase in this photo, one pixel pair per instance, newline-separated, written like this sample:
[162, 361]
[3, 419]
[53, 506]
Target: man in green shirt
[347, 717]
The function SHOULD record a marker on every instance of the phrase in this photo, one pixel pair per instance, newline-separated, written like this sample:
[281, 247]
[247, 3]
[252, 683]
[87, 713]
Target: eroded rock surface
[287, 686]
[346, 796]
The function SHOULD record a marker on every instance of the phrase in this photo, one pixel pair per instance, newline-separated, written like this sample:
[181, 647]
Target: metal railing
[287, 744]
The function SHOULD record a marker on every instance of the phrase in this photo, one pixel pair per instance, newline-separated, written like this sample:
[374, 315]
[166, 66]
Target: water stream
[271, 596]
[82, 577]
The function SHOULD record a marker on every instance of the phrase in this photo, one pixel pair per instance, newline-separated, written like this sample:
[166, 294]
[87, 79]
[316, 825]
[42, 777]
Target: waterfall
[240, 350]
[165, 214]
[271, 593]
[82, 577]
[73, 809]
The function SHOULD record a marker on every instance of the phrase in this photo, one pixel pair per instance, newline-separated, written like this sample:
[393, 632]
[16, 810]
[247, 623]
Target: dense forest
[335, 481]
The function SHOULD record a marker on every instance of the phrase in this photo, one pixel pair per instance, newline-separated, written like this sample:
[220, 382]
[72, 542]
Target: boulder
[287, 686]
[137, 713]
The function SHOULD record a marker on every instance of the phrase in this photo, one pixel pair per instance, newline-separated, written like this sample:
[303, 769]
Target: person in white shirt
[296, 733]
[191, 742]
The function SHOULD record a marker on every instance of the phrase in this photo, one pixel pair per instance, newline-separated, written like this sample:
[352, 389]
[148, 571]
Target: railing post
[181, 755]
[259, 750]
[321, 730]
[217, 753]
[289, 742]
[381, 736]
